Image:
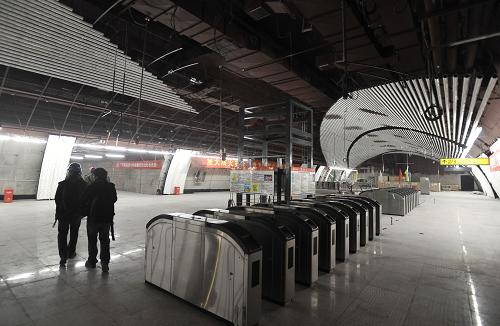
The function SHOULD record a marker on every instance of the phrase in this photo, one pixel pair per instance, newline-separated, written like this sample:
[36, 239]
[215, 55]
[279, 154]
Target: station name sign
[465, 161]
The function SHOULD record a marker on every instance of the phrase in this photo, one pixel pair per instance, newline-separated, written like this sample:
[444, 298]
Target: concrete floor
[439, 265]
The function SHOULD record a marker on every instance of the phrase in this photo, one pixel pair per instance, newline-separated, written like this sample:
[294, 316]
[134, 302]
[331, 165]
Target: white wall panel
[177, 172]
[54, 165]
[482, 181]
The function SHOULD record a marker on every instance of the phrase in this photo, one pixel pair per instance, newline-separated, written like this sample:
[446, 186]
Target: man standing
[99, 200]
[68, 211]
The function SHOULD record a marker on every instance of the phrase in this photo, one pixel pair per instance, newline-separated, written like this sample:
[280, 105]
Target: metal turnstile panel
[186, 277]
[158, 269]
[218, 277]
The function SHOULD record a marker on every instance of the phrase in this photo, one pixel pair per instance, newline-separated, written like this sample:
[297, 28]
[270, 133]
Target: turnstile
[354, 214]
[395, 201]
[368, 230]
[326, 225]
[342, 225]
[213, 264]
[278, 251]
[378, 211]
[364, 225]
[306, 240]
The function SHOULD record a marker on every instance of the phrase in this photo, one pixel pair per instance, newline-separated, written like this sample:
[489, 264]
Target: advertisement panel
[252, 181]
[138, 165]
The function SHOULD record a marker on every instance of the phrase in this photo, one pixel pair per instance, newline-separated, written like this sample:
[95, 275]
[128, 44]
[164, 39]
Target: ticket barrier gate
[354, 221]
[213, 264]
[395, 201]
[378, 211]
[327, 230]
[278, 251]
[341, 224]
[372, 216]
[364, 225]
[306, 239]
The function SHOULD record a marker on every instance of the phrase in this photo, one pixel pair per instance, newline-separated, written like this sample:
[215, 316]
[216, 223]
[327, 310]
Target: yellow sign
[465, 161]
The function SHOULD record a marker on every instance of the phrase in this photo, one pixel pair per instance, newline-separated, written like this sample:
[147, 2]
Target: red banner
[214, 163]
[495, 162]
[138, 165]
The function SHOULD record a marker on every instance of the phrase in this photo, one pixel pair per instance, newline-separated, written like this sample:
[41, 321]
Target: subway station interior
[284, 162]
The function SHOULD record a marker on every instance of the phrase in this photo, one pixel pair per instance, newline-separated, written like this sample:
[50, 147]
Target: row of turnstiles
[395, 201]
[226, 260]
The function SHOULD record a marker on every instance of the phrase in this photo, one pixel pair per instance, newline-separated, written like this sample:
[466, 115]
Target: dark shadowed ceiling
[243, 53]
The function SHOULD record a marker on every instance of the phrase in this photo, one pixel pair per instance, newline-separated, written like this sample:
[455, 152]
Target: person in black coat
[99, 204]
[68, 211]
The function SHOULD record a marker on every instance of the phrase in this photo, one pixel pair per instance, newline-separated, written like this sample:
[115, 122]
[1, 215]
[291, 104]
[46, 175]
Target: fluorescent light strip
[23, 139]
[73, 157]
[122, 149]
[115, 155]
[93, 156]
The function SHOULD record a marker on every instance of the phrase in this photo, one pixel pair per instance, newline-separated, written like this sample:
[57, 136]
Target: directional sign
[465, 161]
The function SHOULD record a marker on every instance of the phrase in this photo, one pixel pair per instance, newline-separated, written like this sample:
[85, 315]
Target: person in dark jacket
[68, 211]
[99, 202]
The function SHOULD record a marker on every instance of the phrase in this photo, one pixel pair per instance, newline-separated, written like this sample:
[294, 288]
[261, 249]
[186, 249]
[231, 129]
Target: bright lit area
[250, 162]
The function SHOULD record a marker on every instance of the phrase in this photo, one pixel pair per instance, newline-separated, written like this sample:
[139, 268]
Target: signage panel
[138, 165]
[465, 161]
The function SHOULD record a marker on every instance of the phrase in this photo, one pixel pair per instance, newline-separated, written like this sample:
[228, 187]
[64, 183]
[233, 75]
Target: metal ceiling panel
[400, 106]
[47, 38]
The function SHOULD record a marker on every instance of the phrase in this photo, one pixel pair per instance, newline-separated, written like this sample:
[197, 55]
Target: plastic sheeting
[177, 172]
[54, 165]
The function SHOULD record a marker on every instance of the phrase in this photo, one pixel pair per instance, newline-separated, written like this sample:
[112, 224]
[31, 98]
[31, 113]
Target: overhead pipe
[451, 35]
[433, 24]
[474, 24]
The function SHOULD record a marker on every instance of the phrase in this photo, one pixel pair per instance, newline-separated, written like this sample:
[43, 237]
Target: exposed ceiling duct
[242, 50]
[46, 37]
[391, 117]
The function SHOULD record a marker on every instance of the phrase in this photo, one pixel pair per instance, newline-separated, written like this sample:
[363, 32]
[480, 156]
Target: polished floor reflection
[439, 265]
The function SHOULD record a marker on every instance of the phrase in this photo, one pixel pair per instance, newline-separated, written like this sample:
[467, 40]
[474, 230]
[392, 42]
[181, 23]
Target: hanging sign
[465, 161]
[495, 162]
[138, 165]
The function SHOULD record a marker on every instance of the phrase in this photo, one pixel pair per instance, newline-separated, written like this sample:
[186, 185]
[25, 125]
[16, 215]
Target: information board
[303, 182]
[252, 181]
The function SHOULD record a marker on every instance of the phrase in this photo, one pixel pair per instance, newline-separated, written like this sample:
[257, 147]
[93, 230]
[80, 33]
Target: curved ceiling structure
[391, 117]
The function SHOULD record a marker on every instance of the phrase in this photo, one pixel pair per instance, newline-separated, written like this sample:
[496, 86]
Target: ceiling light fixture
[93, 156]
[115, 155]
[180, 68]
[105, 114]
[23, 139]
[163, 56]
[75, 157]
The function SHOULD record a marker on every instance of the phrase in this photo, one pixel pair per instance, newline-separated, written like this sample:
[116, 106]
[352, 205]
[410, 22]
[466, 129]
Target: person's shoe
[72, 255]
[89, 264]
[105, 268]
[62, 263]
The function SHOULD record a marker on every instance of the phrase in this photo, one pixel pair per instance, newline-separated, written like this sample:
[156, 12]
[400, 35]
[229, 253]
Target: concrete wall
[20, 165]
[140, 181]
[208, 180]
